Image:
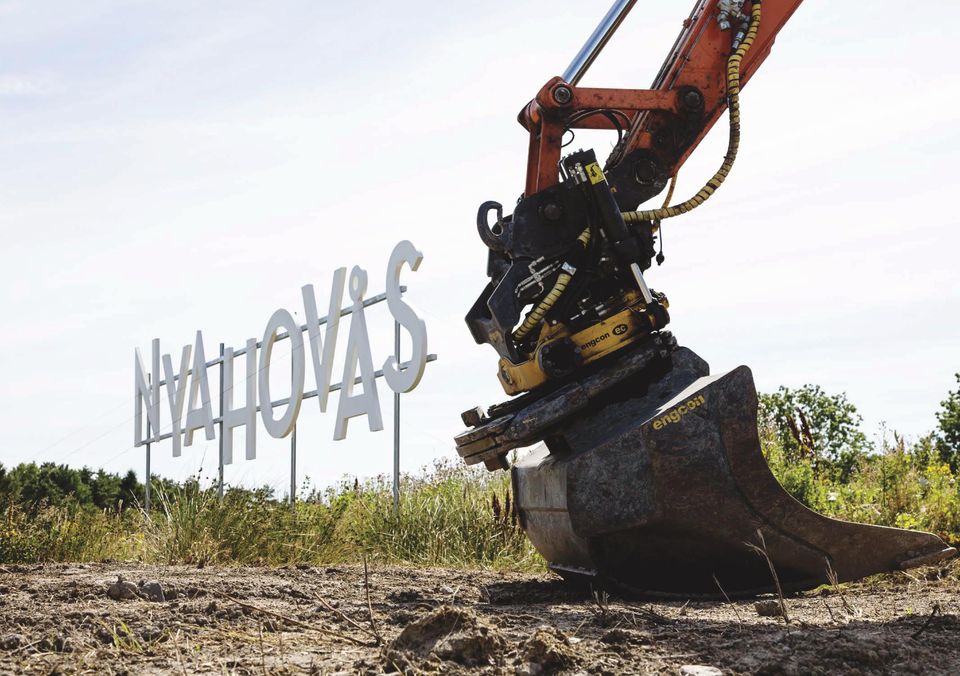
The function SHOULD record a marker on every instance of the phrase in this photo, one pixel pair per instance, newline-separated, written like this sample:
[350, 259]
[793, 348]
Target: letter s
[404, 380]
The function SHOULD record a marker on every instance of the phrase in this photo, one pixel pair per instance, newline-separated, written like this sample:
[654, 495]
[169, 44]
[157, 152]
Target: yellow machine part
[592, 343]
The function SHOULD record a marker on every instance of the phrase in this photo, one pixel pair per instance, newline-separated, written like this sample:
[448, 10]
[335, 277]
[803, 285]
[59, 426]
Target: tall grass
[448, 516]
[65, 533]
[191, 524]
[454, 516]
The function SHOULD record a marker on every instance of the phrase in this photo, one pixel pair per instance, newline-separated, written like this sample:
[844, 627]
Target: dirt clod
[768, 608]
[121, 590]
[446, 634]
[616, 636]
[12, 641]
[405, 596]
[546, 652]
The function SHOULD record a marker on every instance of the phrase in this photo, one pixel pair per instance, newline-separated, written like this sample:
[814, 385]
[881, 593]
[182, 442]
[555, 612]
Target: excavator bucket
[651, 480]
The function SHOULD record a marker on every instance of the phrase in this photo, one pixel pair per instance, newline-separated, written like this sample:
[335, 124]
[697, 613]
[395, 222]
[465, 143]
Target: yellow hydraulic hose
[673, 186]
[733, 94]
[551, 298]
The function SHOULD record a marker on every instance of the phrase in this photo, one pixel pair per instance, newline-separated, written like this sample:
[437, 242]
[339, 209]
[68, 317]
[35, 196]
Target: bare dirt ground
[76, 619]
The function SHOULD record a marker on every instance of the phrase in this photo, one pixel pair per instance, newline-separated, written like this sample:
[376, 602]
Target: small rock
[768, 608]
[699, 670]
[121, 590]
[154, 591]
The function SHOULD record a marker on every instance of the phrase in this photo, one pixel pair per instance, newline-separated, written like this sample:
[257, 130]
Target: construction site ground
[77, 618]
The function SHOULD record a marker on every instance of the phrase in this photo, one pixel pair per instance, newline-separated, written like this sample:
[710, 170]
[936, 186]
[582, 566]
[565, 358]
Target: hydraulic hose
[734, 63]
[673, 186]
[544, 306]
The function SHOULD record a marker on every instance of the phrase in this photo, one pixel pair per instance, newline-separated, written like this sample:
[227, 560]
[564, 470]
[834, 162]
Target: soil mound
[445, 635]
[547, 651]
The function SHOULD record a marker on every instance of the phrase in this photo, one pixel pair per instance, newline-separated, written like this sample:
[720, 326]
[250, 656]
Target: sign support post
[293, 451]
[220, 435]
[396, 423]
[146, 483]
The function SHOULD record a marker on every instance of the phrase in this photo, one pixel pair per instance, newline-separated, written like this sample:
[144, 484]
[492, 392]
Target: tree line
[52, 484]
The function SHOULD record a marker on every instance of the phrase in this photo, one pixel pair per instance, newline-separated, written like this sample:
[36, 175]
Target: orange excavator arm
[659, 126]
[575, 248]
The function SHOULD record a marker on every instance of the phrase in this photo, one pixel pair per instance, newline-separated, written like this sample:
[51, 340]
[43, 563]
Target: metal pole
[220, 445]
[293, 451]
[146, 501]
[396, 423]
[293, 465]
[146, 491]
[597, 40]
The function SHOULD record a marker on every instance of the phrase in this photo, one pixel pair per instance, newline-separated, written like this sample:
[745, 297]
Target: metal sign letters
[188, 388]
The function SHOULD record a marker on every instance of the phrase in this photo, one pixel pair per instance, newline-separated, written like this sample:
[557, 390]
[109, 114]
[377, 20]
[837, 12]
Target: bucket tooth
[661, 488]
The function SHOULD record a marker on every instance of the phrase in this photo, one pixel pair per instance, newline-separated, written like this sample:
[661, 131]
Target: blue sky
[168, 167]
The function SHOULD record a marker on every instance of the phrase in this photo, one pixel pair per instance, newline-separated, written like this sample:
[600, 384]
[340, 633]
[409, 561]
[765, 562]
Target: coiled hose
[733, 103]
[543, 307]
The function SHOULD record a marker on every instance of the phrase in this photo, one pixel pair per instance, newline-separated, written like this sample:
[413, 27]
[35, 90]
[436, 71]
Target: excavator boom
[667, 121]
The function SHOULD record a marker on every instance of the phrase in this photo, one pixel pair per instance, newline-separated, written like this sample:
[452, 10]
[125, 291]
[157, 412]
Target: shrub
[813, 425]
